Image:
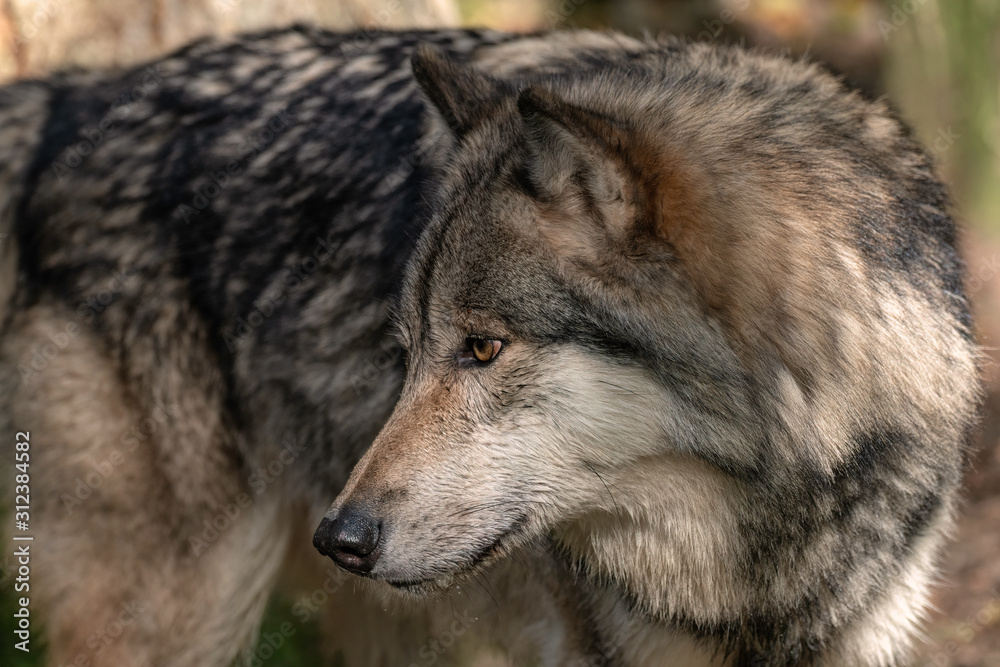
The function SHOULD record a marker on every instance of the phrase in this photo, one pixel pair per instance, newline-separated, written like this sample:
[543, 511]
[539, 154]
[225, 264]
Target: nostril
[350, 538]
[322, 538]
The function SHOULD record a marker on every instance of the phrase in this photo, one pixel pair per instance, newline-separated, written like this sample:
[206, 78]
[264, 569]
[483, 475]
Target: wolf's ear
[578, 159]
[461, 93]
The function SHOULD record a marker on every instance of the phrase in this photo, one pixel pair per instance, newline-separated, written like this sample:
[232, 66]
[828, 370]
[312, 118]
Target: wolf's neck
[671, 549]
[668, 535]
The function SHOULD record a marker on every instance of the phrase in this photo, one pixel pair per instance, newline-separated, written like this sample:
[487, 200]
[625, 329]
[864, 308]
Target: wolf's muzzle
[350, 538]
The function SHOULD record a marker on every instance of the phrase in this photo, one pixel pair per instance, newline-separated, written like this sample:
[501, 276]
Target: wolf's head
[641, 321]
[537, 313]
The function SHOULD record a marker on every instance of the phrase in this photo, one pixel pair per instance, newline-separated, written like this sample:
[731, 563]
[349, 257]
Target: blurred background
[938, 61]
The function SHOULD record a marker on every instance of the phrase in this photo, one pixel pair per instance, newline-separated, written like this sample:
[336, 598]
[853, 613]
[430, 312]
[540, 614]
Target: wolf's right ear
[461, 93]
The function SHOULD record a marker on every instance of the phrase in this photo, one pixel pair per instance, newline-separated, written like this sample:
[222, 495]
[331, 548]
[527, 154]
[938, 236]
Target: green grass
[299, 649]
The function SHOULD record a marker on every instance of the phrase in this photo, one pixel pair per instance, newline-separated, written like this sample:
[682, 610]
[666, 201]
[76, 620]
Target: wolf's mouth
[484, 555]
[410, 586]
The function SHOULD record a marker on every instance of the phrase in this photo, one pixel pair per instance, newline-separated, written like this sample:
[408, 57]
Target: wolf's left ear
[461, 93]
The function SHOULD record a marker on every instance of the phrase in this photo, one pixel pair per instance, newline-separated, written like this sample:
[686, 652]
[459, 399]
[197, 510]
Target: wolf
[696, 315]
[664, 345]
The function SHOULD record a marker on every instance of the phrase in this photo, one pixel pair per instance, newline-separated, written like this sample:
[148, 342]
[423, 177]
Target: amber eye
[484, 349]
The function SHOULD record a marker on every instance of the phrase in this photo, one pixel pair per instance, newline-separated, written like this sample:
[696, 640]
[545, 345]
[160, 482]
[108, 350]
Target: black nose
[350, 539]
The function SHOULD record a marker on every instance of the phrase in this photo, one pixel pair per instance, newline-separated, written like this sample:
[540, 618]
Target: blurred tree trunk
[37, 36]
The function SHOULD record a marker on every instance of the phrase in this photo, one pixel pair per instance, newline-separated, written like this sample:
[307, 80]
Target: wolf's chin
[431, 587]
[415, 588]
